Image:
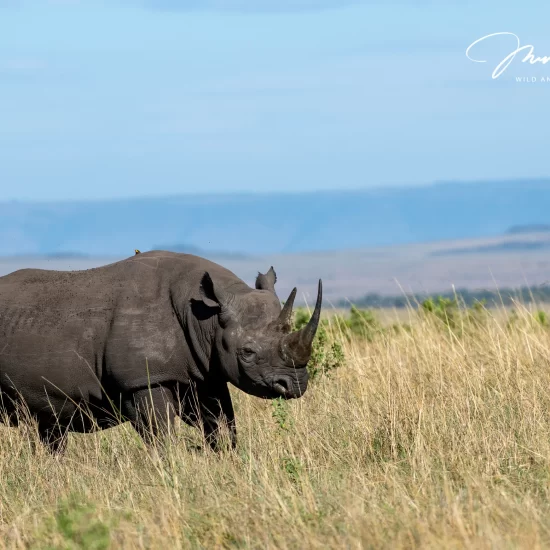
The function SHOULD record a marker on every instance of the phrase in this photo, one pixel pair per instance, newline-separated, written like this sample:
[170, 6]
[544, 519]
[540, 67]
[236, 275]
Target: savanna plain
[432, 431]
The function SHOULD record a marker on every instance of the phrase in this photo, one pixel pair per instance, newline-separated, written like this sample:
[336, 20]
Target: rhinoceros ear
[208, 292]
[267, 281]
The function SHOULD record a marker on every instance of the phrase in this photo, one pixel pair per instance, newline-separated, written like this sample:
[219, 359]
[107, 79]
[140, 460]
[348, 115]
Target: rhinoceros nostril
[281, 385]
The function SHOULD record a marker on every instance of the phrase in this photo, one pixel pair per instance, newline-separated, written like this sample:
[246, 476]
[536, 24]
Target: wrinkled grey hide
[157, 335]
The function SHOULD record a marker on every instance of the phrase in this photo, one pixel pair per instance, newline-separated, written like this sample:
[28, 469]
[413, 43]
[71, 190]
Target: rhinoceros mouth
[287, 388]
[280, 389]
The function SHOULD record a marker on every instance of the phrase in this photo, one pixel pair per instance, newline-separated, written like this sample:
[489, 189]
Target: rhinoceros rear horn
[298, 344]
[284, 321]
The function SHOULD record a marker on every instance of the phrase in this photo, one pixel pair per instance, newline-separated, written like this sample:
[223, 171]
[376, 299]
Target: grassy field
[436, 435]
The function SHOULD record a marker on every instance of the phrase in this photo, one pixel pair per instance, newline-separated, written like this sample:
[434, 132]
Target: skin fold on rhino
[144, 340]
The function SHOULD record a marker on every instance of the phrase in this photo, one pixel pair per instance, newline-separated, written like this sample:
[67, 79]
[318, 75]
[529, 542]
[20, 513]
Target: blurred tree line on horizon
[490, 298]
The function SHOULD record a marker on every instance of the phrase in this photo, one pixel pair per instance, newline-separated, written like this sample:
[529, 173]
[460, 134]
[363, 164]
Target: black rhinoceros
[145, 339]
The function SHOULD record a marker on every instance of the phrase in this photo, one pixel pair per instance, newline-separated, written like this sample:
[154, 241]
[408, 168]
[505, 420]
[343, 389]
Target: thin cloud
[250, 6]
[22, 65]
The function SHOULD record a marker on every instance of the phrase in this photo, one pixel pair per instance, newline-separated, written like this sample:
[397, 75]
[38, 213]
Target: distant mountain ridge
[530, 228]
[252, 224]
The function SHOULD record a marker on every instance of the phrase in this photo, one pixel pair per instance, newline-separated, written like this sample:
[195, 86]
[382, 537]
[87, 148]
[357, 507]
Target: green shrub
[361, 323]
[444, 309]
[541, 318]
[455, 315]
[292, 467]
[524, 319]
[476, 314]
[80, 527]
[327, 354]
[281, 414]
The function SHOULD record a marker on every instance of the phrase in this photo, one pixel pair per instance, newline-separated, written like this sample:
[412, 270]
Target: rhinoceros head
[255, 346]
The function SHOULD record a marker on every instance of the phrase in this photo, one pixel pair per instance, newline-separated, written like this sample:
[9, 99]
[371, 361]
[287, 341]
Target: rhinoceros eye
[247, 353]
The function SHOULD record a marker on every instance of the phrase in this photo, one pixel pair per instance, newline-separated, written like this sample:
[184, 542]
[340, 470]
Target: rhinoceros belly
[48, 360]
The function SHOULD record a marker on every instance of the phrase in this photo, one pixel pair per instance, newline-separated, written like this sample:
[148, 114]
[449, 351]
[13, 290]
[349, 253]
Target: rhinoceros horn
[297, 345]
[284, 321]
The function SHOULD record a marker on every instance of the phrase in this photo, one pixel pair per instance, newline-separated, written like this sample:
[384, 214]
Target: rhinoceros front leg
[153, 412]
[215, 409]
[53, 436]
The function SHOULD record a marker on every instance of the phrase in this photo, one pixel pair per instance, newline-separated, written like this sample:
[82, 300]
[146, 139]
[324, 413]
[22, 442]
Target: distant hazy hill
[532, 228]
[274, 223]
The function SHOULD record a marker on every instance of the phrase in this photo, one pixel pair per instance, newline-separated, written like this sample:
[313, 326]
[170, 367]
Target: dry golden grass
[423, 439]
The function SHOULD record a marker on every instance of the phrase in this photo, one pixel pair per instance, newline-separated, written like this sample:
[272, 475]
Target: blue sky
[132, 98]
